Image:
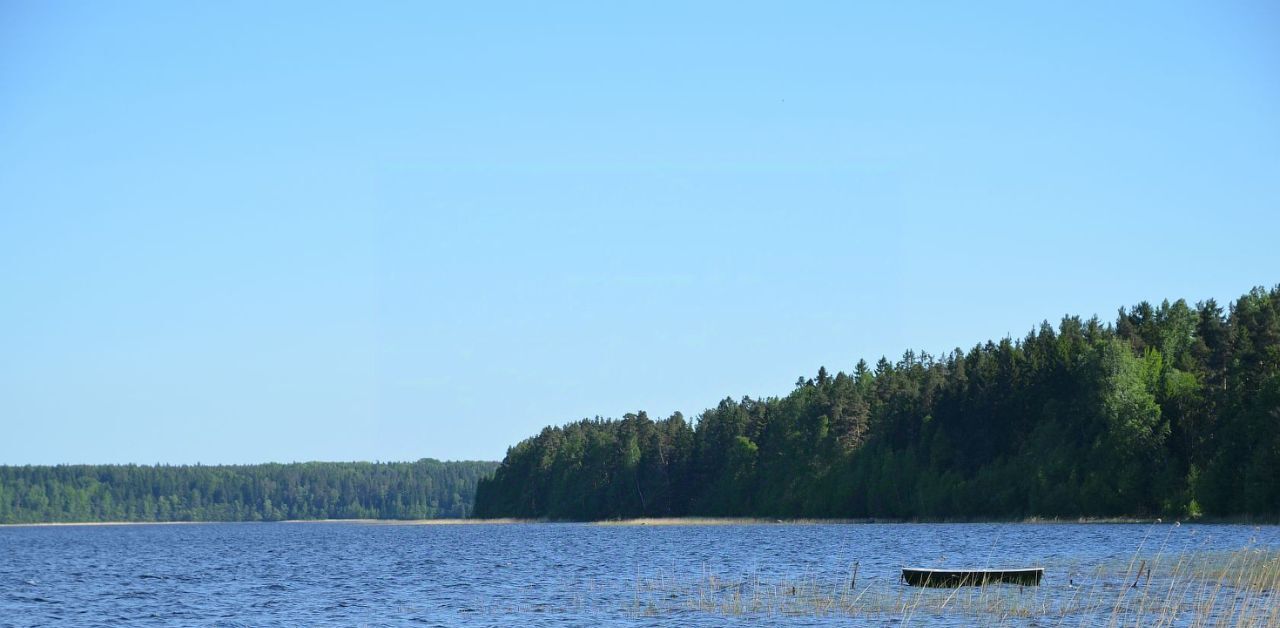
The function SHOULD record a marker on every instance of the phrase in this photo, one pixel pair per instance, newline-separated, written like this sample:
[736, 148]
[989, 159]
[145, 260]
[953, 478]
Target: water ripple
[538, 575]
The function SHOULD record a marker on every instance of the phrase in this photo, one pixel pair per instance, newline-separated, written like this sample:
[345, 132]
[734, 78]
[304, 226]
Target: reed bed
[1240, 588]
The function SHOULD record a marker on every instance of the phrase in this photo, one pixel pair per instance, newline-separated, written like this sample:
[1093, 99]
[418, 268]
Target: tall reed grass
[1238, 588]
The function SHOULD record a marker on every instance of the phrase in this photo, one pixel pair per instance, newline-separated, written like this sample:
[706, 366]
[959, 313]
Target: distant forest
[262, 492]
[1173, 410]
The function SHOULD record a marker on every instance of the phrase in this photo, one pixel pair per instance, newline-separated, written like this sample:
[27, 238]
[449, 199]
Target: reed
[1154, 588]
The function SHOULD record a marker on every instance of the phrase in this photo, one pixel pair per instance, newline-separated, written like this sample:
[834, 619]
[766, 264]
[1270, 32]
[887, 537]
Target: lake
[289, 574]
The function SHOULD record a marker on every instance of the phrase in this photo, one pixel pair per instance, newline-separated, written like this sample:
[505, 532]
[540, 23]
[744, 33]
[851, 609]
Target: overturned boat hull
[971, 577]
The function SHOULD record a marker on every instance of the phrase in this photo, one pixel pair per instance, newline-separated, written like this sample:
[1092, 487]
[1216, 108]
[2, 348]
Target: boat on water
[919, 577]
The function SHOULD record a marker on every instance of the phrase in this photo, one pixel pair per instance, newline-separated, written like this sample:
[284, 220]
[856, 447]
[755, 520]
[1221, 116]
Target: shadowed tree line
[262, 492]
[1172, 410]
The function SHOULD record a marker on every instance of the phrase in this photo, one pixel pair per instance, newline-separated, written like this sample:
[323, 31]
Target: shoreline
[405, 522]
[413, 522]
[723, 521]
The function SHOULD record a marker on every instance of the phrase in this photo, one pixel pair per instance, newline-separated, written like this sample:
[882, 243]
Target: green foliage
[265, 492]
[1172, 410]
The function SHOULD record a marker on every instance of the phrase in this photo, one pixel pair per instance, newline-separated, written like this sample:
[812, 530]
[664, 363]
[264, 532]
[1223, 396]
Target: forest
[262, 492]
[1171, 410]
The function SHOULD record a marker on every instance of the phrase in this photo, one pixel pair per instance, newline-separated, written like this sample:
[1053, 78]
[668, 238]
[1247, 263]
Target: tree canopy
[1171, 410]
[262, 492]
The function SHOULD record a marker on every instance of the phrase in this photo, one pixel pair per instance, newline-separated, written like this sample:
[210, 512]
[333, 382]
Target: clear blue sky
[247, 231]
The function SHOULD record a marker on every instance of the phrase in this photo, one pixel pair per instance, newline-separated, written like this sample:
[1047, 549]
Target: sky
[245, 232]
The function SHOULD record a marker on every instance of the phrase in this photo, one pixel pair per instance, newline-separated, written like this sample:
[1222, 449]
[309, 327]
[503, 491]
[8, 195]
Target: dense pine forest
[264, 492]
[1172, 410]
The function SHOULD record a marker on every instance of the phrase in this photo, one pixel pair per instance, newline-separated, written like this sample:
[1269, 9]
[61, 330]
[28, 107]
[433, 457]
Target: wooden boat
[971, 577]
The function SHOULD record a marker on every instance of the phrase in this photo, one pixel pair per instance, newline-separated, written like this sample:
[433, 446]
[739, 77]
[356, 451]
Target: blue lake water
[290, 574]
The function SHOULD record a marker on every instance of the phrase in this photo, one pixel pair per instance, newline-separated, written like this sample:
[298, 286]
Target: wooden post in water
[853, 580]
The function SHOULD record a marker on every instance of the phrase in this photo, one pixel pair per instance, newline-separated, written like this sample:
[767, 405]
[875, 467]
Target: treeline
[263, 492]
[1172, 410]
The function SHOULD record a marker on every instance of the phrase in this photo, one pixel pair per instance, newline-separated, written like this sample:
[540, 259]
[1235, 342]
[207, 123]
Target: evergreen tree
[1172, 410]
